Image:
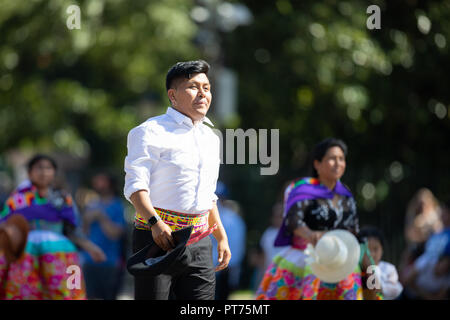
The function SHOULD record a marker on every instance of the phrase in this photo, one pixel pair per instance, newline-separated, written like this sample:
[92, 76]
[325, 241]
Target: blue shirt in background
[112, 248]
[235, 229]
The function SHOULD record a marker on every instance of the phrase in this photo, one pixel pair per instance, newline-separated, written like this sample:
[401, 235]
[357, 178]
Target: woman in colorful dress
[42, 271]
[313, 206]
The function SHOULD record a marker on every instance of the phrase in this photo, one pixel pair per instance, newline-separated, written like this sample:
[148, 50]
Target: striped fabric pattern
[177, 220]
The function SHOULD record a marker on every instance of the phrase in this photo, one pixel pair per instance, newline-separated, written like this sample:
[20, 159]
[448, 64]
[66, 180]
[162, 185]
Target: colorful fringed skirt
[288, 277]
[49, 269]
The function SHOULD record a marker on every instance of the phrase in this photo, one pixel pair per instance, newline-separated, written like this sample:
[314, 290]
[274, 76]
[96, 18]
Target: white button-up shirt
[176, 161]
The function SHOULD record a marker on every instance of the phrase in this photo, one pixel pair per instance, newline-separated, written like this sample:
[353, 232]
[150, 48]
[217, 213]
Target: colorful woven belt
[176, 221]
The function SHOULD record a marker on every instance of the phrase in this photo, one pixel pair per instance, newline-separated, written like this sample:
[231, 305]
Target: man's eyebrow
[190, 81]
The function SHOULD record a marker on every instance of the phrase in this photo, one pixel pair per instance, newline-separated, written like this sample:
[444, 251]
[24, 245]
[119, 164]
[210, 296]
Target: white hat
[334, 257]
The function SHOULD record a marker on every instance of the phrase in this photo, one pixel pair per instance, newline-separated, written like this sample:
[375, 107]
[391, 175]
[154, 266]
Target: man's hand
[223, 249]
[92, 215]
[161, 232]
[95, 252]
[162, 235]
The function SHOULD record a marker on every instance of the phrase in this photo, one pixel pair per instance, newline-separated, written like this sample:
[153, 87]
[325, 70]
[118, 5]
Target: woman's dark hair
[321, 149]
[185, 70]
[372, 232]
[40, 157]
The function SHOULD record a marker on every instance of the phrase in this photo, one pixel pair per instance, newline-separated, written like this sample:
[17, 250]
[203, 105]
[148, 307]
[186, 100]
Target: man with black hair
[171, 169]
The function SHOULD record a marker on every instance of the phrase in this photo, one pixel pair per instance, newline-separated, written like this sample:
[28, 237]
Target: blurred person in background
[421, 221]
[390, 284]
[429, 278]
[261, 256]
[104, 224]
[267, 241]
[227, 280]
[51, 247]
[256, 261]
[422, 217]
[313, 206]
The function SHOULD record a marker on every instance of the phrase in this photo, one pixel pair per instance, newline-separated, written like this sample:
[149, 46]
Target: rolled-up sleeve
[142, 156]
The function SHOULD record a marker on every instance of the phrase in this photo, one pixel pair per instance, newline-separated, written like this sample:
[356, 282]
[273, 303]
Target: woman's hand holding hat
[335, 256]
[315, 237]
[306, 233]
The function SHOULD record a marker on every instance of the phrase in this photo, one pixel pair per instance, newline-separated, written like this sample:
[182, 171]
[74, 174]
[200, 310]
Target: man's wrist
[153, 220]
[220, 236]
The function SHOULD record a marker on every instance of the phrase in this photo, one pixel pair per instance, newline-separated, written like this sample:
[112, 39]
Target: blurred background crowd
[311, 69]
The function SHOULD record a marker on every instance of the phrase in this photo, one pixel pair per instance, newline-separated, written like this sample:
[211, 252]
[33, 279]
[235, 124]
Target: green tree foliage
[81, 91]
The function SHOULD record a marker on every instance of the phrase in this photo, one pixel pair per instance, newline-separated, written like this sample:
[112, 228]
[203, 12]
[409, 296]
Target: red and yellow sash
[176, 221]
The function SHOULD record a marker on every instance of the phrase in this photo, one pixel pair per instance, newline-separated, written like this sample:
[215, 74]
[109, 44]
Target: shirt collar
[180, 118]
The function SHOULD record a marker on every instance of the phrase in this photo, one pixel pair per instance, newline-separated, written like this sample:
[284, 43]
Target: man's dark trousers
[193, 282]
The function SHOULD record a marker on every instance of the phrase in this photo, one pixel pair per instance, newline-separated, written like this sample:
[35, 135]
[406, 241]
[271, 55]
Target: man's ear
[171, 95]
